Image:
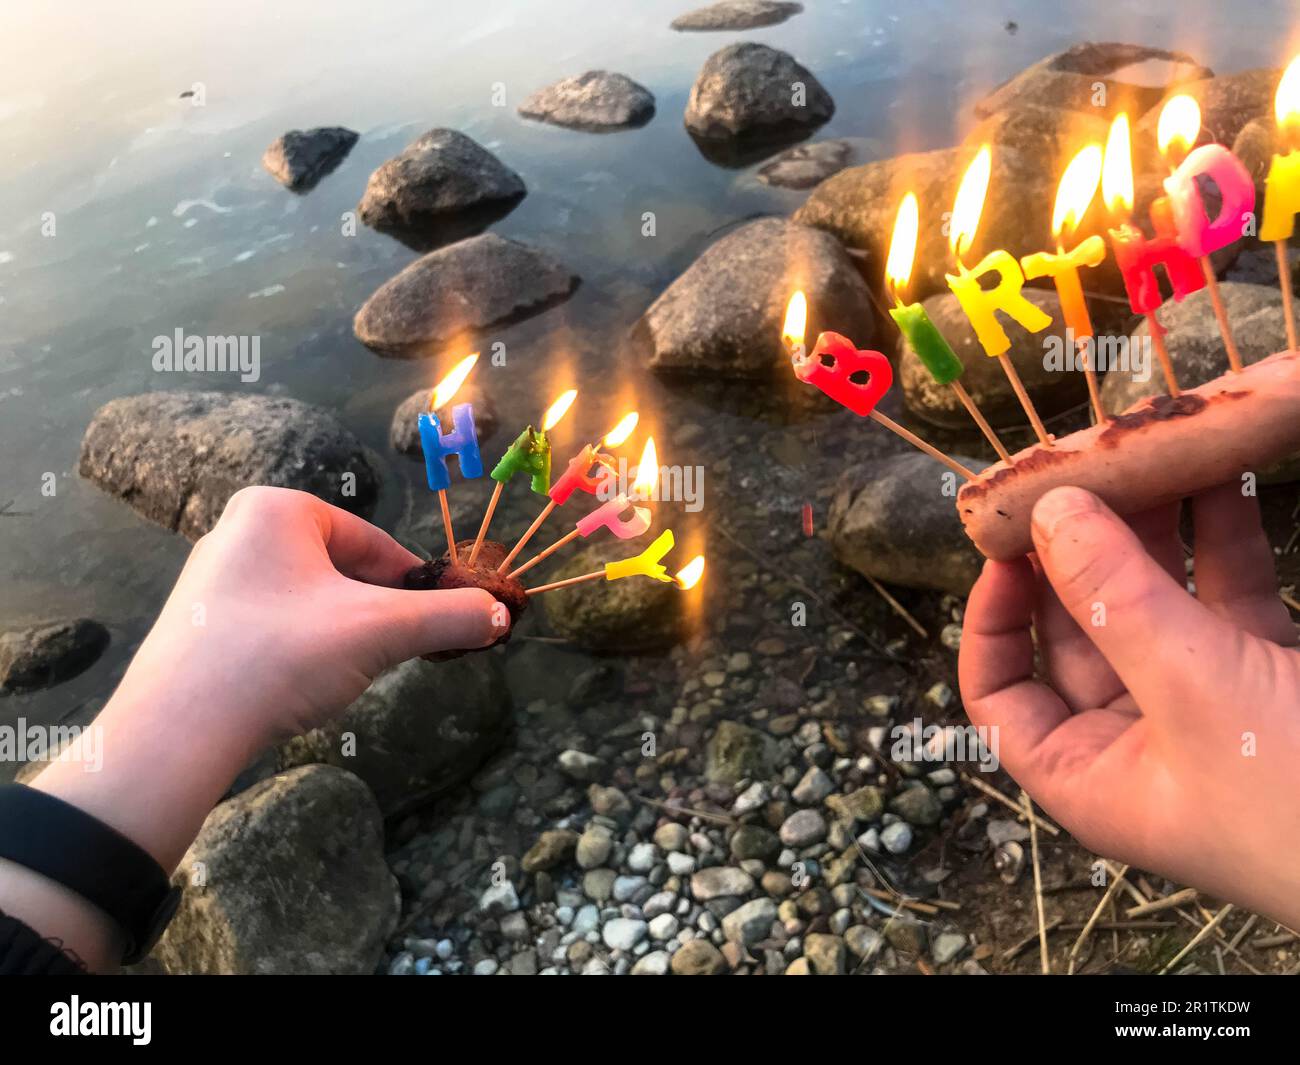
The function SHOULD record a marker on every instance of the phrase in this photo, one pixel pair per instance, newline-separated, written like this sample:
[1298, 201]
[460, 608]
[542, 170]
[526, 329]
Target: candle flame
[450, 385]
[796, 321]
[969, 204]
[647, 471]
[558, 409]
[902, 246]
[1117, 169]
[1078, 187]
[1179, 125]
[689, 575]
[1286, 105]
[621, 431]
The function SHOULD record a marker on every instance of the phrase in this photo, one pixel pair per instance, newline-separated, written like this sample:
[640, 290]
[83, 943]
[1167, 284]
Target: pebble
[664, 927]
[642, 857]
[896, 838]
[720, 881]
[498, 899]
[946, 947]
[655, 963]
[802, 828]
[623, 933]
[579, 765]
[750, 922]
[814, 787]
[680, 864]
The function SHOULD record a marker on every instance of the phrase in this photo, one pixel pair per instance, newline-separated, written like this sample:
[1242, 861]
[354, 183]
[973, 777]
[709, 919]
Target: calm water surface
[164, 218]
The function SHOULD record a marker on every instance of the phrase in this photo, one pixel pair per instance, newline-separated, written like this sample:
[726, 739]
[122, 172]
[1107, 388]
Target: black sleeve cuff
[24, 953]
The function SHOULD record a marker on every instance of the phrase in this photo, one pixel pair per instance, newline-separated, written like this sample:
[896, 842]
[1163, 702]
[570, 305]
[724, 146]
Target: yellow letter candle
[1073, 196]
[1282, 192]
[981, 306]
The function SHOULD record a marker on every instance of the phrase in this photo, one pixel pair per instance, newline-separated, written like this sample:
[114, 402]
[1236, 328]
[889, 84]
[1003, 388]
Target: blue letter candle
[462, 442]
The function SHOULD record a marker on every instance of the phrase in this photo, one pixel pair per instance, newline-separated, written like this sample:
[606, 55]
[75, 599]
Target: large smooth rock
[723, 316]
[443, 185]
[459, 291]
[177, 457]
[596, 100]
[736, 15]
[1227, 103]
[286, 877]
[1134, 78]
[419, 730]
[737, 752]
[1195, 346]
[404, 431]
[859, 206]
[614, 617]
[42, 655]
[300, 158]
[1052, 391]
[806, 165]
[753, 91]
[895, 520]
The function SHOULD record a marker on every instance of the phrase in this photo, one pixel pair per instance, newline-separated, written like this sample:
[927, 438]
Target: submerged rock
[1053, 390]
[300, 158]
[404, 432]
[1132, 78]
[418, 731]
[629, 615]
[736, 15]
[804, 166]
[895, 520]
[723, 316]
[442, 187]
[458, 291]
[595, 100]
[46, 654]
[286, 877]
[177, 457]
[750, 90]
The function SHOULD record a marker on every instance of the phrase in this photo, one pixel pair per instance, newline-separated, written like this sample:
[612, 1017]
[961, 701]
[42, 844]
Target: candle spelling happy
[1073, 196]
[461, 442]
[1135, 255]
[529, 454]
[1282, 198]
[915, 325]
[981, 305]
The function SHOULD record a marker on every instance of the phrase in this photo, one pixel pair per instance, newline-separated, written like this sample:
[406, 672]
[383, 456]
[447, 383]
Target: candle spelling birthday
[1282, 191]
[613, 514]
[854, 379]
[981, 305]
[1135, 255]
[438, 446]
[587, 471]
[917, 329]
[529, 454]
[1198, 234]
[1073, 197]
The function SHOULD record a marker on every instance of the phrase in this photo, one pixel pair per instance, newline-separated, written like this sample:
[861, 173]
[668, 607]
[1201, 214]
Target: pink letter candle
[609, 516]
[1198, 234]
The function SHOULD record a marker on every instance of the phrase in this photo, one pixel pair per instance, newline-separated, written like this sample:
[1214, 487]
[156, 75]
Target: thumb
[1155, 635]
[413, 623]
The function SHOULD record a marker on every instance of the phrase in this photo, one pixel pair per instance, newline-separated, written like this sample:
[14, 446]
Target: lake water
[163, 217]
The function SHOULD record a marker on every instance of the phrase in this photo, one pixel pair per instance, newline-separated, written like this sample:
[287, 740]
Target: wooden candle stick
[487, 520]
[541, 556]
[446, 525]
[596, 575]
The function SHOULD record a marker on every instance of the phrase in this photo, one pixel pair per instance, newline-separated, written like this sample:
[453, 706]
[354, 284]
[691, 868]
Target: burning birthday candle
[619, 515]
[854, 379]
[1135, 255]
[530, 454]
[1282, 199]
[1199, 235]
[647, 564]
[462, 441]
[588, 471]
[1073, 197]
[981, 305]
[915, 325]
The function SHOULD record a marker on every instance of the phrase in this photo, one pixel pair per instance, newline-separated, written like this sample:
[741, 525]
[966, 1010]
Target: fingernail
[1060, 504]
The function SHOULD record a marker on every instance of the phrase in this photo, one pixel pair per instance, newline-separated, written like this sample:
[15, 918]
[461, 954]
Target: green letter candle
[927, 342]
[530, 454]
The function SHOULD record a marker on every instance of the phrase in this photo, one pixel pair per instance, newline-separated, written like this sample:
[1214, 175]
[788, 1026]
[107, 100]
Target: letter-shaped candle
[530, 454]
[462, 442]
[855, 379]
[1198, 234]
[1282, 198]
[609, 516]
[646, 564]
[579, 476]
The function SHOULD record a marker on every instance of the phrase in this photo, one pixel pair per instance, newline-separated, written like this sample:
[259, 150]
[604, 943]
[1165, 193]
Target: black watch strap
[68, 845]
